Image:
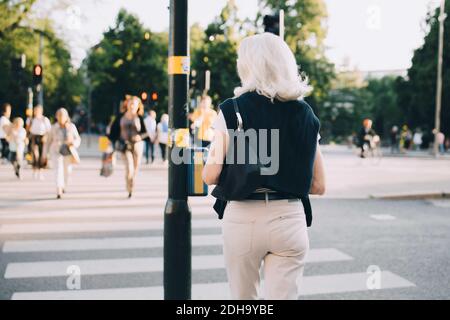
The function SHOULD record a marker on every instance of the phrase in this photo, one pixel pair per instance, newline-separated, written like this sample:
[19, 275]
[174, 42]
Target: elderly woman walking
[270, 224]
[63, 140]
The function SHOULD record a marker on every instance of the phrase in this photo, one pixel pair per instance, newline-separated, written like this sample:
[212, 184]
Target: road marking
[98, 213]
[383, 217]
[137, 265]
[440, 203]
[25, 228]
[101, 244]
[310, 285]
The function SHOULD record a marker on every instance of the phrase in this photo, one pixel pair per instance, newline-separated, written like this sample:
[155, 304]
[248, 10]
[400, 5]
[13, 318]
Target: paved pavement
[116, 243]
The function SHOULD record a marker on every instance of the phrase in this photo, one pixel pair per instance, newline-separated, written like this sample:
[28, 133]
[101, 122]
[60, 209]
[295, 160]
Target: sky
[372, 35]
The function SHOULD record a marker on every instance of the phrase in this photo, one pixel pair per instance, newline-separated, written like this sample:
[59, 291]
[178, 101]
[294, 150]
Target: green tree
[128, 60]
[383, 104]
[218, 53]
[417, 93]
[354, 98]
[305, 33]
[12, 13]
[62, 85]
[347, 104]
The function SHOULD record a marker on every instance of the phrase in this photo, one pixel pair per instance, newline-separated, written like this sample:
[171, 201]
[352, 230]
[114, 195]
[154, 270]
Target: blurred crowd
[404, 139]
[132, 133]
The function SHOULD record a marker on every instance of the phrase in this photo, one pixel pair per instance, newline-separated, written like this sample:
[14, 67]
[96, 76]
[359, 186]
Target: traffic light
[144, 96]
[272, 24]
[193, 79]
[37, 74]
[154, 96]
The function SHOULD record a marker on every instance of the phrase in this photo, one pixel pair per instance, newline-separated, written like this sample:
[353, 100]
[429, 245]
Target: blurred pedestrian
[150, 125]
[440, 136]
[131, 143]
[63, 140]
[393, 135]
[405, 139]
[365, 137]
[202, 119]
[39, 128]
[5, 114]
[163, 135]
[113, 129]
[17, 138]
[269, 224]
[417, 139]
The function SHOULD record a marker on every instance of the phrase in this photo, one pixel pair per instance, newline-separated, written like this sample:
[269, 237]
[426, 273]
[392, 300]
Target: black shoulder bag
[238, 180]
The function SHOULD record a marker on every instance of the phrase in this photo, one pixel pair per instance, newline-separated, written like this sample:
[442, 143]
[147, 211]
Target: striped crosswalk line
[31, 228]
[155, 212]
[137, 265]
[102, 222]
[310, 285]
[101, 244]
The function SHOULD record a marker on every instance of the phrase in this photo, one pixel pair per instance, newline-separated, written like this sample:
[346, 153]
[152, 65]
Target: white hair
[267, 65]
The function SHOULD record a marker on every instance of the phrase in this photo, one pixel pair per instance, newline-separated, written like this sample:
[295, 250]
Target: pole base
[177, 250]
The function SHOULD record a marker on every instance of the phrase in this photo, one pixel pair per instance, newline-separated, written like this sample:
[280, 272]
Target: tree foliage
[305, 33]
[417, 93]
[354, 99]
[216, 51]
[19, 35]
[128, 60]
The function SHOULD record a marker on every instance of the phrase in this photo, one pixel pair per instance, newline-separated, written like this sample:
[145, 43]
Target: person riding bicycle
[366, 136]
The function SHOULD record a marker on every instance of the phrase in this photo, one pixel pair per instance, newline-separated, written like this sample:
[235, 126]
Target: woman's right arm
[217, 152]
[318, 182]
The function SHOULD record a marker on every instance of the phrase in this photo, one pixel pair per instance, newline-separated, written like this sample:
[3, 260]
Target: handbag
[107, 164]
[238, 180]
[124, 146]
[64, 150]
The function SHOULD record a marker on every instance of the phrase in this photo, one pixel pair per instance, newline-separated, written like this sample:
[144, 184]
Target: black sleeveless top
[298, 132]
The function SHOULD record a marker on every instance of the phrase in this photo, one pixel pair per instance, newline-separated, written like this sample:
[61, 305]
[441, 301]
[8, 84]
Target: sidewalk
[422, 154]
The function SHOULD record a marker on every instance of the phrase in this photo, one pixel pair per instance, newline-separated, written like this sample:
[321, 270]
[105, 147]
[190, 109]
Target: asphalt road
[116, 243]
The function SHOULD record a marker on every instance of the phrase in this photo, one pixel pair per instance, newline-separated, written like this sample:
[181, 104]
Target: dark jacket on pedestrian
[114, 134]
[298, 134]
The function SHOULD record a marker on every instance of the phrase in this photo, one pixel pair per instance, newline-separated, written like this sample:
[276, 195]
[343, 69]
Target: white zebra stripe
[137, 265]
[24, 228]
[309, 285]
[101, 244]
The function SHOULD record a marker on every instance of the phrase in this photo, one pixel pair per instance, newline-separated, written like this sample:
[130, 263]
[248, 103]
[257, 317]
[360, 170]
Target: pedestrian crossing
[136, 265]
[31, 237]
[309, 285]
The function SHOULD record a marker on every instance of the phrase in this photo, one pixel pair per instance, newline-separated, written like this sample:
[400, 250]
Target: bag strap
[308, 210]
[240, 124]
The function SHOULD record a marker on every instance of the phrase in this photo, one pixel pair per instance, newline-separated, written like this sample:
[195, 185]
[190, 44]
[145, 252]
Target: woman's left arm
[318, 186]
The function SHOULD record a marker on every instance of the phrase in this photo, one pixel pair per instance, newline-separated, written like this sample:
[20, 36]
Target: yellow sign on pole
[179, 138]
[179, 65]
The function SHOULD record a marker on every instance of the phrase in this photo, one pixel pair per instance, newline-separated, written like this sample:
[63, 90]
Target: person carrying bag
[63, 141]
[264, 201]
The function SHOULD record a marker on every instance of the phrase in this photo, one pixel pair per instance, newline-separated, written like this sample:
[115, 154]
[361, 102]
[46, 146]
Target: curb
[424, 196]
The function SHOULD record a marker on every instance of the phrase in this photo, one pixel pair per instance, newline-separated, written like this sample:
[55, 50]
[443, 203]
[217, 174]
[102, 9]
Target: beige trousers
[62, 165]
[273, 232]
[132, 161]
